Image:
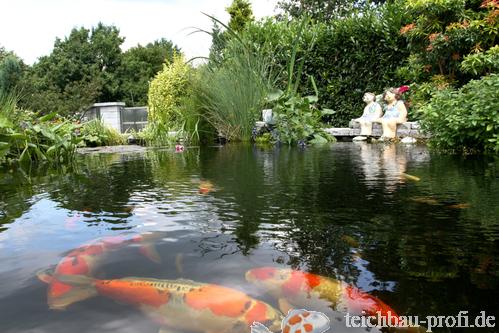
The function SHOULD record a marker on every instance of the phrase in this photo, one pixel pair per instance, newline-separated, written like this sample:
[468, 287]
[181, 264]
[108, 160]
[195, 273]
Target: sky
[29, 27]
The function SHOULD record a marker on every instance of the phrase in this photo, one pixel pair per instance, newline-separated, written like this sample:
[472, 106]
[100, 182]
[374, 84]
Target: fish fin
[259, 328]
[284, 305]
[150, 252]
[179, 263]
[76, 280]
[46, 275]
[83, 288]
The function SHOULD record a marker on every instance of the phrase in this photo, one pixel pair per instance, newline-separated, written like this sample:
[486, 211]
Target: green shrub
[466, 119]
[25, 137]
[350, 55]
[168, 90]
[483, 62]
[95, 133]
[298, 119]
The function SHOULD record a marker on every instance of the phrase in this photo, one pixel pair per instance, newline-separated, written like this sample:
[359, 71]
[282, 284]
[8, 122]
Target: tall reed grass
[232, 93]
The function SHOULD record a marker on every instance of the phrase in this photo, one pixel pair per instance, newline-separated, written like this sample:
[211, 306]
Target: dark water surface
[427, 247]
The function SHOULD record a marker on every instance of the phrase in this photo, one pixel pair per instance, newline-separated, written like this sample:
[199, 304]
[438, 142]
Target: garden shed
[116, 115]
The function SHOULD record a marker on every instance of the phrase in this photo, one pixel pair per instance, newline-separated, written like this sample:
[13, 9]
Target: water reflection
[342, 211]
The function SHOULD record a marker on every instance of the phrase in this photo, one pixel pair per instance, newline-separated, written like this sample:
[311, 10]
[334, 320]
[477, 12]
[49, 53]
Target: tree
[323, 10]
[105, 43]
[218, 42]
[138, 67]
[11, 71]
[240, 14]
[80, 71]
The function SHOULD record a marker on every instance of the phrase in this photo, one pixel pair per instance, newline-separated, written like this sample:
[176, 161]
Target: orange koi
[183, 304]
[206, 187]
[297, 289]
[84, 260]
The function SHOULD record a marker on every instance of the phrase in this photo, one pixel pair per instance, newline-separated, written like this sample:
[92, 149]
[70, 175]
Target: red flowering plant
[442, 33]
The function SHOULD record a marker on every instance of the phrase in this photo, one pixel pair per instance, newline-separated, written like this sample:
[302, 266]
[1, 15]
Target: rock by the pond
[408, 139]
[359, 138]
[112, 149]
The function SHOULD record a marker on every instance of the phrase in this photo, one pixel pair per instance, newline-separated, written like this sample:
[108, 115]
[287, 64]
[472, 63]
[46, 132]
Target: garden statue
[372, 111]
[395, 114]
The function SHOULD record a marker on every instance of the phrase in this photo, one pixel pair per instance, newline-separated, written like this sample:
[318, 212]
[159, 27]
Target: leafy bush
[25, 137]
[350, 55]
[482, 62]
[298, 119]
[442, 32]
[168, 90]
[95, 133]
[466, 119]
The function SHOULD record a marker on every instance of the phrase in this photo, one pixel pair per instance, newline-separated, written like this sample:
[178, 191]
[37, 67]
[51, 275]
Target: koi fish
[410, 177]
[460, 206]
[350, 241]
[206, 187]
[183, 305]
[296, 289]
[298, 321]
[84, 260]
[426, 200]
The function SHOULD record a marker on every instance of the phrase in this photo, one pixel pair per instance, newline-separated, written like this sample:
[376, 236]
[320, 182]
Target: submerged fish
[460, 206]
[206, 187]
[350, 241]
[296, 289]
[183, 304]
[84, 260]
[410, 177]
[298, 321]
[426, 200]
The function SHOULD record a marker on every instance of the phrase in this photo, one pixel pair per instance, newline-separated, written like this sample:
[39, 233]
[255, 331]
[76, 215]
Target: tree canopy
[323, 10]
[89, 66]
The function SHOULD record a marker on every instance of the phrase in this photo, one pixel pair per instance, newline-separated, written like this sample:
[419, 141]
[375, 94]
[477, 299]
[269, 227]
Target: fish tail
[83, 287]
[146, 246]
[149, 251]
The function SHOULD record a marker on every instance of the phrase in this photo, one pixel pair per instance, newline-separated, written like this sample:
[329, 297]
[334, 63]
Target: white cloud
[29, 27]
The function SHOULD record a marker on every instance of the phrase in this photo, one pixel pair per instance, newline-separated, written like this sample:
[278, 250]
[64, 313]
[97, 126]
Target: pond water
[345, 211]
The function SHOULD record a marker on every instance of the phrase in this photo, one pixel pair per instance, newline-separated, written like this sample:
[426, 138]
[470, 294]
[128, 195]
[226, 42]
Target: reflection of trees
[306, 202]
[102, 183]
[321, 208]
[16, 191]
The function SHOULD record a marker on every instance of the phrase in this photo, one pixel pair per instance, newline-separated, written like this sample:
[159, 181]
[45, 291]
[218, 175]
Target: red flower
[403, 89]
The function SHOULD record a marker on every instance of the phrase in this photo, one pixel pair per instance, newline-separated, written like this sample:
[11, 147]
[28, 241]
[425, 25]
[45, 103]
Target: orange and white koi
[183, 304]
[298, 321]
[84, 260]
[297, 289]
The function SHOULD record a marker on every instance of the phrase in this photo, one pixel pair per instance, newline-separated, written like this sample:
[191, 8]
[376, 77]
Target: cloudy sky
[29, 27]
